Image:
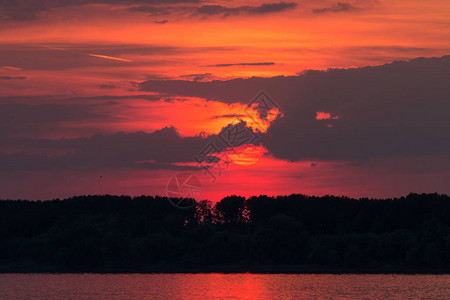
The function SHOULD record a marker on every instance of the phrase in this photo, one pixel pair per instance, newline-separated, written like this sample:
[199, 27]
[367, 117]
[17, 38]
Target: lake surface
[222, 286]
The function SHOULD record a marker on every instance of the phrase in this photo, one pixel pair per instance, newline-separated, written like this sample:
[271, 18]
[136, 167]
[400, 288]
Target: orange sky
[371, 33]
[76, 55]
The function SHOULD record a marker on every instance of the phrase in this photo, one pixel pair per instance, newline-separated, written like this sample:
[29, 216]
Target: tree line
[139, 234]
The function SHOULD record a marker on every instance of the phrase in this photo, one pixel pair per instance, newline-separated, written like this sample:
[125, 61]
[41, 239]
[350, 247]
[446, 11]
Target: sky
[246, 97]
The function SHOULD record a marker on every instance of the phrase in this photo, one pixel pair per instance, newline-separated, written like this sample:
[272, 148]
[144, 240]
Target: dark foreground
[286, 234]
[223, 269]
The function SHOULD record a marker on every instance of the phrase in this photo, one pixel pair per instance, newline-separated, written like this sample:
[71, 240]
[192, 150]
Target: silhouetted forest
[148, 234]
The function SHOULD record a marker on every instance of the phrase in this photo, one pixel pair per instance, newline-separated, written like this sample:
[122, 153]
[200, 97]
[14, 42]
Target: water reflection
[222, 286]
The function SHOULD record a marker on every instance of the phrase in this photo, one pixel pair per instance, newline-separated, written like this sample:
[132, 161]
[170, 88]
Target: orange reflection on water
[223, 286]
[248, 286]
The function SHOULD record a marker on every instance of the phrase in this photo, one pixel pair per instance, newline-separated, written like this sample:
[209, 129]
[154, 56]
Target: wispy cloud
[110, 57]
[28, 10]
[225, 11]
[211, 9]
[198, 77]
[77, 55]
[12, 77]
[243, 64]
[335, 8]
[11, 68]
[161, 22]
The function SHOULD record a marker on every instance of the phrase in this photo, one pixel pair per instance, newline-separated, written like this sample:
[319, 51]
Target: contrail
[88, 54]
[109, 57]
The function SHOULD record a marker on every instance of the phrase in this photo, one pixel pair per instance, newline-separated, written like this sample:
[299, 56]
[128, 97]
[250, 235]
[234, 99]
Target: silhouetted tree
[120, 233]
[230, 210]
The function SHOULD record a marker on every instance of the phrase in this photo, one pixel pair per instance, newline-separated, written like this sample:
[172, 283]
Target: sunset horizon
[102, 97]
[198, 146]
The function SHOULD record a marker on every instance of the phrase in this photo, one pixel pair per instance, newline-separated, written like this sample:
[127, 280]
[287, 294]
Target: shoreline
[256, 269]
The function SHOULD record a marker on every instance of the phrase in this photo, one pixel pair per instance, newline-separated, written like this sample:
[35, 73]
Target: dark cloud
[158, 166]
[395, 110]
[197, 77]
[387, 111]
[107, 86]
[71, 56]
[211, 10]
[28, 119]
[32, 99]
[43, 162]
[174, 99]
[114, 97]
[398, 109]
[161, 149]
[12, 78]
[402, 49]
[153, 11]
[28, 10]
[243, 64]
[161, 22]
[118, 150]
[230, 91]
[273, 7]
[63, 116]
[335, 8]
[19, 112]
[225, 11]
[228, 116]
[35, 57]
[382, 54]
[25, 10]
[119, 49]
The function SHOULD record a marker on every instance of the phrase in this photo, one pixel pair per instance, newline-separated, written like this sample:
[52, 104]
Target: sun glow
[245, 155]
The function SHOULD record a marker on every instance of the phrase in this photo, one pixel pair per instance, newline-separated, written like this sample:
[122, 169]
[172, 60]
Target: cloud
[37, 57]
[211, 9]
[237, 90]
[197, 77]
[138, 149]
[11, 68]
[153, 11]
[243, 64]
[267, 8]
[12, 78]
[26, 10]
[335, 8]
[18, 119]
[114, 97]
[158, 166]
[388, 111]
[29, 10]
[398, 109]
[237, 116]
[394, 110]
[161, 22]
[110, 57]
[162, 149]
[273, 7]
[42, 162]
[71, 56]
[107, 86]
[320, 115]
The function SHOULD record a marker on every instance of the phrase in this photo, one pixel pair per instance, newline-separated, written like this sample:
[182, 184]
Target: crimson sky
[119, 96]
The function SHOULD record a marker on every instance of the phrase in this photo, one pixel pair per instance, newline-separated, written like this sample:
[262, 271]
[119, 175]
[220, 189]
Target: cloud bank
[398, 109]
[395, 110]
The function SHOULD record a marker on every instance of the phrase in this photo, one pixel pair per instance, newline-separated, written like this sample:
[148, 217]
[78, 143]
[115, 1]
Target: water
[222, 286]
